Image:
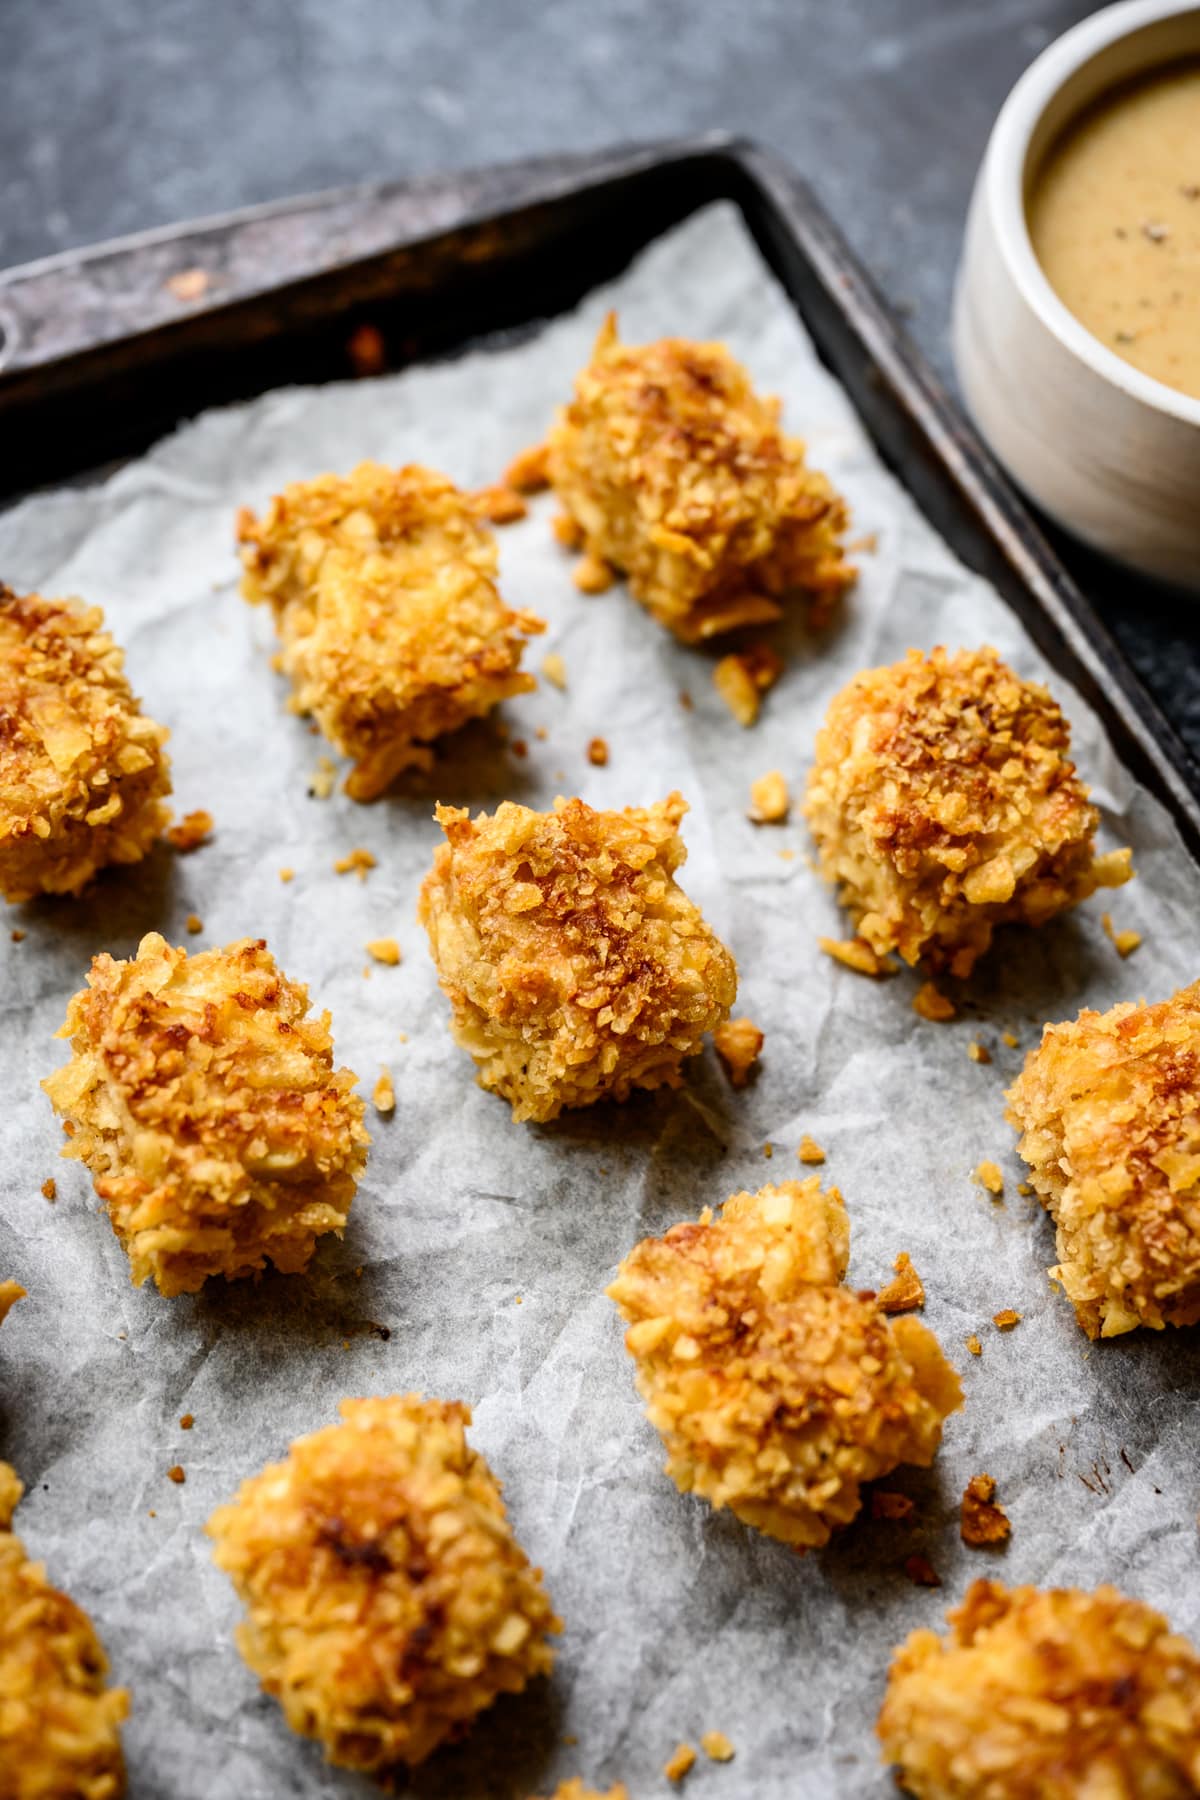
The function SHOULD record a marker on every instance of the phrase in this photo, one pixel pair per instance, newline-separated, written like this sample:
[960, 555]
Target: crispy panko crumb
[906, 1292]
[194, 923]
[810, 1151]
[323, 779]
[50, 1189]
[921, 1572]
[1006, 1319]
[388, 1602]
[680, 1763]
[356, 862]
[930, 1003]
[592, 575]
[187, 1421]
[567, 532]
[177, 1474]
[1109, 1111]
[717, 1747]
[383, 1095]
[10, 1293]
[857, 954]
[888, 1505]
[973, 1345]
[597, 752]
[383, 588]
[554, 669]
[575, 1789]
[944, 804]
[739, 1044]
[576, 968]
[769, 799]
[1011, 1039]
[527, 472]
[59, 1722]
[978, 1053]
[384, 950]
[677, 473]
[990, 1177]
[777, 1391]
[983, 1521]
[1055, 1694]
[1123, 942]
[286, 875]
[367, 351]
[191, 833]
[82, 770]
[499, 505]
[204, 1100]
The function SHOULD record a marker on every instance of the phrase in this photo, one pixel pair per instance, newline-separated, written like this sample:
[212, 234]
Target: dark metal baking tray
[103, 350]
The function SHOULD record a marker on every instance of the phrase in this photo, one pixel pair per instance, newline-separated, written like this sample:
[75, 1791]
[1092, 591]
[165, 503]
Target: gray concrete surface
[119, 114]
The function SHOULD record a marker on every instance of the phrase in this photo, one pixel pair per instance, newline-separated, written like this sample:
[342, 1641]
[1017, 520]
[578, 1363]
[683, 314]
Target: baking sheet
[483, 1247]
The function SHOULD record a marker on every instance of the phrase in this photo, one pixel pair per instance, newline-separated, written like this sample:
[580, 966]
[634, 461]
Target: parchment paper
[678, 1620]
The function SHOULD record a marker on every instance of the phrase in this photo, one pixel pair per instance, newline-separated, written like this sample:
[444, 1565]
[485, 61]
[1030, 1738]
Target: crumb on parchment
[498, 504]
[50, 1188]
[856, 954]
[567, 532]
[383, 1094]
[769, 799]
[886, 1504]
[738, 1043]
[187, 1421]
[554, 669]
[384, 950]
[921, 1572]
[906, 1292]
[716, 1746]
[286, 875]
[592, 575]
[574, 1789]
[983, 1521]
[1124, 942]
[978, 1053]
[193, 830]
[1011, 1039]
[742, 678]
[809, 1151]
[323, 779]
[991, 1178]
[10, 1293]
[597, 752]
[1006, 1319]
[177, 1474]
[194, 924]
[357, 862]
[679, 1763]
[973, 1345]
[930, 1003]
[527, 473]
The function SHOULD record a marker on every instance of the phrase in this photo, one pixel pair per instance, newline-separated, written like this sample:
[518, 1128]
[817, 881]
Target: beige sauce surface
[1114, 214]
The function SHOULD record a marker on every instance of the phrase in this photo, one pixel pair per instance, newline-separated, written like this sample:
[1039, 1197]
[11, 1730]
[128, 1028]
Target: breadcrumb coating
[82, 770]
[10, 1293]
[388, 1602]
[577, 970]
[777, 1391]
[203, 1098]
[383, 587]
[59, 1723]
[1045, 1695]
[677, 473]
[943, 804]
[1109, 1111]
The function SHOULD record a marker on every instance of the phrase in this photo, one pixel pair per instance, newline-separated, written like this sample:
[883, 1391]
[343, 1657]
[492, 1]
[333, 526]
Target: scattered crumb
[568, 533]
[810, 1151]
[680, 1763]
[1124, 942]
[786, 855]
[540, 733]
[152, 1514]
[50, 1188]
[930, 1003]
[384, 950]
[988, 1176]
[188, 284]
[322, 780]
[554, 669]
[906, 1292]
[527, 471]
[716, 1746]
[175, 1473]
[403, 1036]
[517, 1298]
[499, 505]
[194, 923]
[742, 678]
[685, 700]
[1024, 1189]
[358, 860]
[979, 1053]
[982, 1521]
[187, 1421]
[738, 1043]
[769, 799]
[974, 1346]
[366, 349]
[1004, 1321]
[192, 830]
[1011, 1039]
[868, 543]
[17, 935]
[856, 954]
[592, 576]
[383, 1093]
[287, 874]
[887, 1505]
[921, 1571]
[597, 752]
[768, 1151]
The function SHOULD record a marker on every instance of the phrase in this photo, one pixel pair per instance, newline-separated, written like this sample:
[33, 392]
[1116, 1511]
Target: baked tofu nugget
[776, 1390]
[82, 770]
[676, 473]
[1109, 1112]
[10, 1293]
[387, 1600]
[943, 804]
[204, 1100]
[1045, 1695]
[576, 969]
[60, 1733]
[383, 587]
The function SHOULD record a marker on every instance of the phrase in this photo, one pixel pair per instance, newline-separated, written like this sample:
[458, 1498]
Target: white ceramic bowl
[1110, 453]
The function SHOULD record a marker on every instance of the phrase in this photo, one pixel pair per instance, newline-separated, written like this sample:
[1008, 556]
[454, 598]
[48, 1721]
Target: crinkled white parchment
[483, 1247]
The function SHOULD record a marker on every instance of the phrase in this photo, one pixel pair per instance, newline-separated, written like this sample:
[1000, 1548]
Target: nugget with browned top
[778, 1391]
[1109, 1111]
[943, 804]
[82, 769]
[1045, 1695]
[677, 473]
[60, 1723]
[204, 1100]
[383, 587]
[577, 969]
[387, 1600]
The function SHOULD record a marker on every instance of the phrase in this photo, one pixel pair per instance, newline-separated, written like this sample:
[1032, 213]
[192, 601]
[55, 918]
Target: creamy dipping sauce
[1114, 214]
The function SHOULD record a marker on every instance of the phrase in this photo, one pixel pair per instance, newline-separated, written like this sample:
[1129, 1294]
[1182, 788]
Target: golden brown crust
[383, 587]
[10, 1293]
[777, 1391]
[82, 770]
[204, 1100]
[388, 1602]
[943, 804]
[1045, 1695]
[576, 969]
[59, 1723]
[984, 1521]
[1109, 1110]
[676, 472]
